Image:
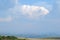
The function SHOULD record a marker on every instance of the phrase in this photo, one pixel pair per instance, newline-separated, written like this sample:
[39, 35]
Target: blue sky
[29, 16]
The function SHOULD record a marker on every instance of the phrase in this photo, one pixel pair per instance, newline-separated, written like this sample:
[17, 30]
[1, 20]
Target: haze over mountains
[27, 35]
[30, 19]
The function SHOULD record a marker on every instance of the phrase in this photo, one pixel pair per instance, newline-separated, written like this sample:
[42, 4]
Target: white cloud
[7, 19]
[29, 11]
[34, 11]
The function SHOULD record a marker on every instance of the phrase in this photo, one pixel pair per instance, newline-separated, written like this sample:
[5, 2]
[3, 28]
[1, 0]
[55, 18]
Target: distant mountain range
[32, 35]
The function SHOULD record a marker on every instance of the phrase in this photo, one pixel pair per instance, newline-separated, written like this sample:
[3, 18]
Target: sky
[29, 16]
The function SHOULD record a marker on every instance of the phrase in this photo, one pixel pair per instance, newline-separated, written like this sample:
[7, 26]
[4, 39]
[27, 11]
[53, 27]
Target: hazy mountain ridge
[33, 35]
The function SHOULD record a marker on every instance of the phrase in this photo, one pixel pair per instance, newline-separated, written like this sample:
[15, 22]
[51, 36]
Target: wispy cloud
[58, 5]
[30, 11]
[7, 19]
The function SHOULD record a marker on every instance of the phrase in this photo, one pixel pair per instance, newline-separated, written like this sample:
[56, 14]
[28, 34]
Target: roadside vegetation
[9, 38]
